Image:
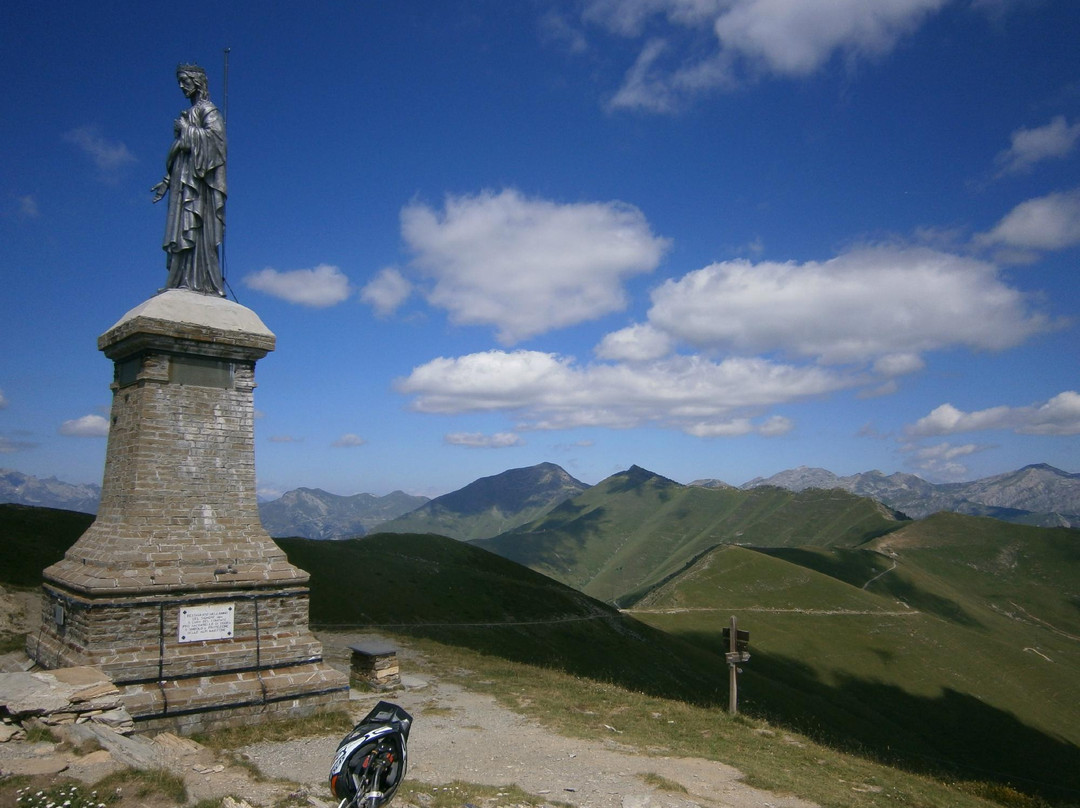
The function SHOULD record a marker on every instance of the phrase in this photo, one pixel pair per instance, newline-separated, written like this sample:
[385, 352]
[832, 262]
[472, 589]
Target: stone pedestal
[376, 665]
[175, 590]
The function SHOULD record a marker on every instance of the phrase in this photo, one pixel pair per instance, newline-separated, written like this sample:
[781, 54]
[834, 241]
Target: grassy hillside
[902, 655]
[32, 538]
[435, 587]
[636, 529]
[1029, 574]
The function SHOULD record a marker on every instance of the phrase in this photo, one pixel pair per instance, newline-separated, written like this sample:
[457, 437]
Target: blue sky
[715, 238]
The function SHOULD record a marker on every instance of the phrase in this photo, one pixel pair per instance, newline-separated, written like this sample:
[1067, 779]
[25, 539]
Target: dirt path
[462, 735]
[457, 734]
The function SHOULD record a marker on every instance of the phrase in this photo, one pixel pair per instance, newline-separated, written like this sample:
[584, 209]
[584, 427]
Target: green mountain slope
[635, 529]
[1030, 575]
[491, 505]
[32, 538]
[447, 590]
[903, 647]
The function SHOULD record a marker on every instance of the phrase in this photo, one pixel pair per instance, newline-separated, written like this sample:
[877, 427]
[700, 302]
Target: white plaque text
[205, 623]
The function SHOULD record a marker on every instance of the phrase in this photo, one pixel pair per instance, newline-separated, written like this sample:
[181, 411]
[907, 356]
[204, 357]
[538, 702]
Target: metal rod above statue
[195, 182]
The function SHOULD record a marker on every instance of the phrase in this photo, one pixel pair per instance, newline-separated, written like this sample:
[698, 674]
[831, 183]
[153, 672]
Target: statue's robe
[195, 223]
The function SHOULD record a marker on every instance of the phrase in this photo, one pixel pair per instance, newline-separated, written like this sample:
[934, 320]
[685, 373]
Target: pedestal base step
[213, 702]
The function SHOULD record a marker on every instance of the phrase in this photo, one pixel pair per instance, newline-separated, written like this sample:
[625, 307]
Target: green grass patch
[211, 802]
[143, 783]
[39, 733]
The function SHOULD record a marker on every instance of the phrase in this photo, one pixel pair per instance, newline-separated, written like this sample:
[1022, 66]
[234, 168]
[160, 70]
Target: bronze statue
[195, 176]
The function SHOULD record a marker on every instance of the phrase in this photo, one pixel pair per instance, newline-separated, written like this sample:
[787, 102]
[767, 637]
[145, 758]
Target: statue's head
[196, 75]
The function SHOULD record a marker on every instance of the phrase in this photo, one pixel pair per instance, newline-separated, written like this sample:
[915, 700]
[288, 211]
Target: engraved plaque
[205, 623]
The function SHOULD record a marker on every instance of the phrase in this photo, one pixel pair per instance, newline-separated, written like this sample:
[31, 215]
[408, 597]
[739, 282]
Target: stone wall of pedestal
[178, 530]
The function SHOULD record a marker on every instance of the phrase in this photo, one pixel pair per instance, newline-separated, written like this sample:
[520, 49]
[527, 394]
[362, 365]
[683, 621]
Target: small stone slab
[52, 764]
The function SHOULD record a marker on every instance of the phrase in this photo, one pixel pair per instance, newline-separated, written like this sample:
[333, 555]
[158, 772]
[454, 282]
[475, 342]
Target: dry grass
[662, 783]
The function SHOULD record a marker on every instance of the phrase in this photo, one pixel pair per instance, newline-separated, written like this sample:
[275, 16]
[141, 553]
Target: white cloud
[1058, 416]
[884, 303]
[3, 400]
[637, 343]
[647, 86]
[944, 451]
[548, 391]
[527, 266]
[795, 37]
[1031, 146]
[108, 155]
[746, 38]
[386, 291]
[901, 364]
[478, 440]
[348, 441]
[1050, 222]
[776, 425]
[942, 460]
[770, 427]
[88, 426]
[318, 288]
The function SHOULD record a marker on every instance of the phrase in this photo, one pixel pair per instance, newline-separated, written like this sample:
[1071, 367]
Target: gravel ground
[461, 735]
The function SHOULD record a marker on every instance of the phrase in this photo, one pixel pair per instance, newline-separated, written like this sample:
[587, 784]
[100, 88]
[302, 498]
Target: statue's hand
[160, 189]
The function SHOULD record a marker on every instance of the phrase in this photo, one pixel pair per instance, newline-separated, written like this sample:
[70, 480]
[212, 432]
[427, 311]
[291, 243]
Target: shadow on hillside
[858, 567]
[854, 567]
[954, 735]
[611, 648]
[33, 538]
[548, 545]
[904, 590]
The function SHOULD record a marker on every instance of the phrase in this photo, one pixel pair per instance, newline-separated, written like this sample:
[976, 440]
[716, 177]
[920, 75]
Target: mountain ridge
[635, 529]
[491, 505]
[18, 488]
[312, 513]
[1038, 494]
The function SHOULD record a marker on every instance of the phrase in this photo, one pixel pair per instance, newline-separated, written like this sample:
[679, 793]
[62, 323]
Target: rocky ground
[458, 735]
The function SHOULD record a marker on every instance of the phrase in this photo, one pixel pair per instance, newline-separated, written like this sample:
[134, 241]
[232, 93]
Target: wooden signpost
[738, 645]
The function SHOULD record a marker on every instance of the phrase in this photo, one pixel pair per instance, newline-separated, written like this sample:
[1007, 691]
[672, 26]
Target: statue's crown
[189, 69]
